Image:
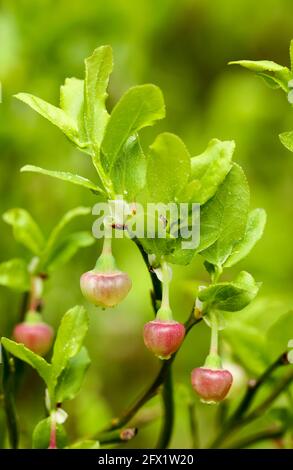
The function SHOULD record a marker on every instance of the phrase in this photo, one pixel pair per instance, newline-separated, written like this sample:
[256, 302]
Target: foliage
[44, 46]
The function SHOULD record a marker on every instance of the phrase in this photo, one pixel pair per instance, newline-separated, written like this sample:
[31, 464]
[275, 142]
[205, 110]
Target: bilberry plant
[163, 172]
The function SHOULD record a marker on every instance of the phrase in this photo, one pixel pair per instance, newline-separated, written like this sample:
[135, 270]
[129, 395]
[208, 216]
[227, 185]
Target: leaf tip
[105, 50]
[25, 168]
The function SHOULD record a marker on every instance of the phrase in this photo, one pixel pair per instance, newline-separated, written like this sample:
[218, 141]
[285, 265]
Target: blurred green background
[183, 47]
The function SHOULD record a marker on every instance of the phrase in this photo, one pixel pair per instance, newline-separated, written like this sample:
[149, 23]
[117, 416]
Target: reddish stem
[53, 440]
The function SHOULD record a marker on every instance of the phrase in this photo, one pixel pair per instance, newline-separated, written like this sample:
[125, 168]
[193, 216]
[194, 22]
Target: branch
[9, 404]
[168, 401]
[287, 380]
[156, 293]
[193, 425]
[254, 387]
[150, 392]
[258, 437]
[23, 305]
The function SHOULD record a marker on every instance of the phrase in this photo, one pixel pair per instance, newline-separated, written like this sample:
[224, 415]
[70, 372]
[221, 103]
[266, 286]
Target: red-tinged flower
[35, 335]
[212, 385]
[163, 337]
[105, 289]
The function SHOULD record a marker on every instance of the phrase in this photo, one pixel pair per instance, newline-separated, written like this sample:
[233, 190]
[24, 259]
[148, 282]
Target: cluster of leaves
[48, 255]
[164, 173]
[276, 76]
[63, 376]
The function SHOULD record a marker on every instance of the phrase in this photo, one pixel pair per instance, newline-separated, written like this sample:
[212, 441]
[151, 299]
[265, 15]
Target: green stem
[258, 437]
[259, 411]
[193, 426]
[107, 245]
[213, 360]
[106, 181]
[252, 389]
[216, 275]
[147, 395]
[214, 334]
[165, 313]
[168, 402]
[166, 281]
[9, 403]
[156, 292]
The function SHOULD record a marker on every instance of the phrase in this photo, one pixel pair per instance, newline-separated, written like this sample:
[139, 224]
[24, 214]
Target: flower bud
[163, 337]
[34, 334]
[105, 285]
[212, 385]
[105, 289]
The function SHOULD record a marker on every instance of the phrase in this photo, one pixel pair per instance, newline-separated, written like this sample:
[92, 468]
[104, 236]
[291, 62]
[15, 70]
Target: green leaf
[230, 296]
[179, 255]
[129, 171]
[287, 140]
[139, 107]
[157, 246]
[273, 82]
[55, 115]
[69, 340]
[209, 226]
[26, 355]
[155, 237]
[14, 274]
[88, 444]
[276, 74]
[70, 380]
[67, 248]
[72, 103]
[25, 229]
[98, 68]
[183, 253]
[259, 65]
[168, 168]
[279, 335]
[66, 219]
[41, 435]
[209, 170]
[226, 214]
[253, 232]
[65, 176]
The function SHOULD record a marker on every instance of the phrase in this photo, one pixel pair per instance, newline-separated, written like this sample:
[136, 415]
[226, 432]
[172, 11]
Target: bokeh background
[183, 47]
